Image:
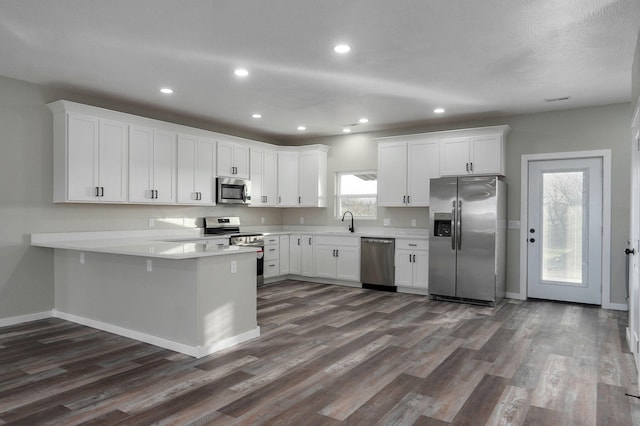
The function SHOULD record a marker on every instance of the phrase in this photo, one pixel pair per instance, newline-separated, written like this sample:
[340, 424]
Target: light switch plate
[413, 222]
[387, 221]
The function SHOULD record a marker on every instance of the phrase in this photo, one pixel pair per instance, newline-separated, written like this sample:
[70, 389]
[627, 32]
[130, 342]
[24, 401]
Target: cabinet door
[206, 171]
[164, 167]
[348, 263]
[284, 254]
[257, 172]
[187, 158]
[421, 269]
[287, 178]
[392, 174]
[454, 156]
[423, 163]
[325, 261]
[486, 155]
[241, 160]
[112, 165]
[295, 254]
[270, 178]
[308, 179]
[404, 268]
[140, 166]
[82, 160]
[224, 159]
[306, 256]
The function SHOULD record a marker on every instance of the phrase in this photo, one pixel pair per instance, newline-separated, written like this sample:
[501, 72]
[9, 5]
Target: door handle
[454, 222]
[459, 233]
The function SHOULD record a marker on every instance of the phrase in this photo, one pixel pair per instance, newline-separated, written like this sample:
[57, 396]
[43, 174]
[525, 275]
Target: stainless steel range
[231, 226]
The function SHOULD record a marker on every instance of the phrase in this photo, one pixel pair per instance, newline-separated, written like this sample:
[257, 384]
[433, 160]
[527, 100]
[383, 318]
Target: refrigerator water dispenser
[442, 225]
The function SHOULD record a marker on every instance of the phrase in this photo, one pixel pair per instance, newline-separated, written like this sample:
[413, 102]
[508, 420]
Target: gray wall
[605, 127]
[26, 273]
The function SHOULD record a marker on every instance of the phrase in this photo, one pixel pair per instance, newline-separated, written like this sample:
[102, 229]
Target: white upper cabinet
[152, 166]
[196, 170]
[233, 159]
[405, 166]
[302, 177]
[481, 154]
[264, 177]
[90, 158]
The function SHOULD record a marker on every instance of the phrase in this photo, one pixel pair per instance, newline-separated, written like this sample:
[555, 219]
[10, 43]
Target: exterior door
[565, 230]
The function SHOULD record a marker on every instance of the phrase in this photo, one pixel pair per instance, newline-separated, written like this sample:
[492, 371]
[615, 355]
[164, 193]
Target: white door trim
[605, 154]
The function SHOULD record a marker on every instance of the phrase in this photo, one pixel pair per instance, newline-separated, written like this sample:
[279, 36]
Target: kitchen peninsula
[193, 296]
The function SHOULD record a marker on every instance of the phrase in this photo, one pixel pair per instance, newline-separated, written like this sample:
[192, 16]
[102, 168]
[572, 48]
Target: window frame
[338, 196]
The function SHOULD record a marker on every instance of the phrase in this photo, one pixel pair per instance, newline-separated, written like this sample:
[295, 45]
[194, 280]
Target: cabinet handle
[279, 199]
[97, 191]
[414, 258]
[409, 258]
[333, 253]
[466, 166]
[408, 199]
[298, 241]
[471, 167]
[404, 199]
[102, 191]
[309, 240]
[299, 200]
[156, 191]
[337, 253]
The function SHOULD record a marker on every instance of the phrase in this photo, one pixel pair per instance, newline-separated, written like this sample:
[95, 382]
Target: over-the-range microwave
[233, 191]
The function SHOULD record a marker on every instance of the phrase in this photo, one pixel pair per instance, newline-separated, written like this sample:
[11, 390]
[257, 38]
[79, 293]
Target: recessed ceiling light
[346, 130]
[166, 90]
[342, 48]
[241, 72]
[438, 110]
[301, 128]
[363, 120]
[256, 115]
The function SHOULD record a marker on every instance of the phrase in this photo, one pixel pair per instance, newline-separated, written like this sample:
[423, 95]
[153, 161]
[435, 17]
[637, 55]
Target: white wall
[26, 273]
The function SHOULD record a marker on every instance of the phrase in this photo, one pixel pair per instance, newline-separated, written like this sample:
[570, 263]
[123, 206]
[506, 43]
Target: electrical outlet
[234, 266]
[82, 258]
[302, 221]
[151, 222]
[386, 221]
[262, 220]
[149, 265]
[413, 222]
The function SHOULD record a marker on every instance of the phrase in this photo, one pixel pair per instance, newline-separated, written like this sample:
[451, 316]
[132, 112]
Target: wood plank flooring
[332, 355]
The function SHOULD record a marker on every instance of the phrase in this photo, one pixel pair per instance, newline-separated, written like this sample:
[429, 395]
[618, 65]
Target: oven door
[233, 191]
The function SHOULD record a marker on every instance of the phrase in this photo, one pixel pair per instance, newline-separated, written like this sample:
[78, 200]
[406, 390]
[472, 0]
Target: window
[357, 192]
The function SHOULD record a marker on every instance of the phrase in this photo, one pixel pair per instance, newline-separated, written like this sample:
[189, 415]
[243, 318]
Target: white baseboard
[194, 351]
[616, 306]
[25, 318]
[516, 296]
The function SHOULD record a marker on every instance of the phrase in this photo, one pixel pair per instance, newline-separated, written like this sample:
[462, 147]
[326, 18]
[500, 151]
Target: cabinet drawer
[271, 268]
[337, 241]
[270, 240]
[412, 244]
[271, 252]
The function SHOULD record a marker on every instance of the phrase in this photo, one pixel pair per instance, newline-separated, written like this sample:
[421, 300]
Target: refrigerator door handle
[459, 232]
[454, 222]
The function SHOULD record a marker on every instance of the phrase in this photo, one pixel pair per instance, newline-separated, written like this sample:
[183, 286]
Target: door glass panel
[563, 223]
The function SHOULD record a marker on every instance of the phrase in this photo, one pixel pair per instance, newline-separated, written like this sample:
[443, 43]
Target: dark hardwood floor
[333, 355]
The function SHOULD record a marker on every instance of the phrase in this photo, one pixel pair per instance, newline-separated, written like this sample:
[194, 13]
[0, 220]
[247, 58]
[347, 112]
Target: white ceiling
[487, 58]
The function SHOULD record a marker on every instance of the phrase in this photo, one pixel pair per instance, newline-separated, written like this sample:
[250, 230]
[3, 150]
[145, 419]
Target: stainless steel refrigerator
[467, 243]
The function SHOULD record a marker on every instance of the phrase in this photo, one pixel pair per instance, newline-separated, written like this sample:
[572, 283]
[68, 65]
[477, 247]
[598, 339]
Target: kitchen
[27, 287]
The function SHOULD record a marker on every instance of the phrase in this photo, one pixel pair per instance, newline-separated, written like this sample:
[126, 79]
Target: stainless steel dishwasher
[377, 269]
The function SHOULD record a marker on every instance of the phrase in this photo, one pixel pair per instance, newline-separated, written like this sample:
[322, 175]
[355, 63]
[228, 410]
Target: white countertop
[140, 246]
[189, 243]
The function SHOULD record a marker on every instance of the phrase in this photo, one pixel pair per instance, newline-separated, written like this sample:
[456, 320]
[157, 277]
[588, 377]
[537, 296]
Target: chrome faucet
[351, 228]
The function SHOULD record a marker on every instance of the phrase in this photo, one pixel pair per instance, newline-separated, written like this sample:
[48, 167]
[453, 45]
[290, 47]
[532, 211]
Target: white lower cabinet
[301, 260]
[284, 254]
[271, 256]
[412, 264]
[338, 257]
